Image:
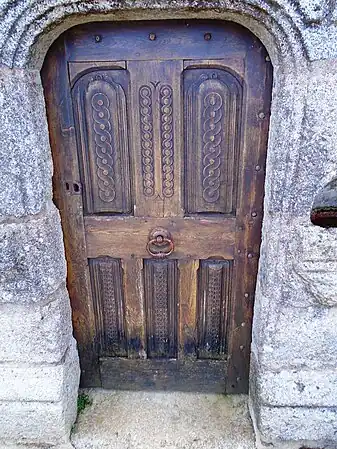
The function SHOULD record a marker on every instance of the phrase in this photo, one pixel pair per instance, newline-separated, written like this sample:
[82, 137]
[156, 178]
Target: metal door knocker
[160, 243]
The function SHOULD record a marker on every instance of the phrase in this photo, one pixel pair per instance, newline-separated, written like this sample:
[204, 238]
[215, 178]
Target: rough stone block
[314, 426]
[315, 262]
[298, 387]
[314, 10]
[45, 383]
[26, 168]
[317, 152]
[33, 423]
[19, 446]
[297, 288]
[287, 111]
[302, 337]
[320, 41]
[38, 332]
[48, 422]
[32, 263]
[301, 149]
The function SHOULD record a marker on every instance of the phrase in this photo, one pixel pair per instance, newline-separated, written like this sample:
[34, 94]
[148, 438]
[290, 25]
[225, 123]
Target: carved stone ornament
[320, 280]
[317, 264]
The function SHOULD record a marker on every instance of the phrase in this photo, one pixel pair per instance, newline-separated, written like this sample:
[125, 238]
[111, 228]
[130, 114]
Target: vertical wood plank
[188, 286]
[171, 138]
[157, 136]
[134, 307]
[255, 122]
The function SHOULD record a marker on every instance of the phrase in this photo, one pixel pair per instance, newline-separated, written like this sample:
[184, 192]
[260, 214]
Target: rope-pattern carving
[110, 314]
[146, 132]
[160, 293]
[103, 147]
[214, 306]
[212, 138]
[167, 142]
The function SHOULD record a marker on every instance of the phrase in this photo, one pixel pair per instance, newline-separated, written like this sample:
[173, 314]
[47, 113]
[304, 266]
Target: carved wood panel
[156, 102]
[212, 140]
[214, 295]
[146, 139]
[106, 279]
[167, 139]
[103, 140]
[161, 308]
[146, 118]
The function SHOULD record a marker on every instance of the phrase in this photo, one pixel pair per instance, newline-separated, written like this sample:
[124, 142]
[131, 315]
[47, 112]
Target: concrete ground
[170, 420]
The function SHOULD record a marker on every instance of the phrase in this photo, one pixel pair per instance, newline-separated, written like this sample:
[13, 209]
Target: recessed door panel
[100, 103]
[161, 286]
[107, 288]
[213, 108]
[214, 296]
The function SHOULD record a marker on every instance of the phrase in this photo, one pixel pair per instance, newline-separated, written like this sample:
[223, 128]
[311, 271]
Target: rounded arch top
[30, 26]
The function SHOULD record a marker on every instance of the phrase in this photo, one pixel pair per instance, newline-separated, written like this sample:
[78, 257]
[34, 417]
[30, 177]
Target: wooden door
[159, 135]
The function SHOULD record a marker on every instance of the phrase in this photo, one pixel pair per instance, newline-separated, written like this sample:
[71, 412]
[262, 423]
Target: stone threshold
[169, 420]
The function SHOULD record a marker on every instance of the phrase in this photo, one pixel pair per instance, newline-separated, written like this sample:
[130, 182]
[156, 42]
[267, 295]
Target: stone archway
[293, 381]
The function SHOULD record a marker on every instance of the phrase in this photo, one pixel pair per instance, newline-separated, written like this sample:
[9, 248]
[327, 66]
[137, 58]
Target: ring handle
[159, 241]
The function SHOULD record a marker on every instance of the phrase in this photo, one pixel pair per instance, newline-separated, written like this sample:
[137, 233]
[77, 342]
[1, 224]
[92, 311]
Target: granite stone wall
[293, 395]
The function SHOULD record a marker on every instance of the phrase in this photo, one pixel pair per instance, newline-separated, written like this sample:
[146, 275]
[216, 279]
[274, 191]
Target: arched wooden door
[159, 137]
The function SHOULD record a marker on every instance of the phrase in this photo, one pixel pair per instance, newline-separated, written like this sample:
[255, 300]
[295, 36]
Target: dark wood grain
[133, 286]
[107, 290]
[213, 102]
[214, 295]
[258, 82]
[164, 375]
[101, 123]
[188, 291]
[161, 284]
[193, 237]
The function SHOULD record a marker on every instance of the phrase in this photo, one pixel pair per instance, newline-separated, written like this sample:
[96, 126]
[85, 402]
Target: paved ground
[143, 420]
